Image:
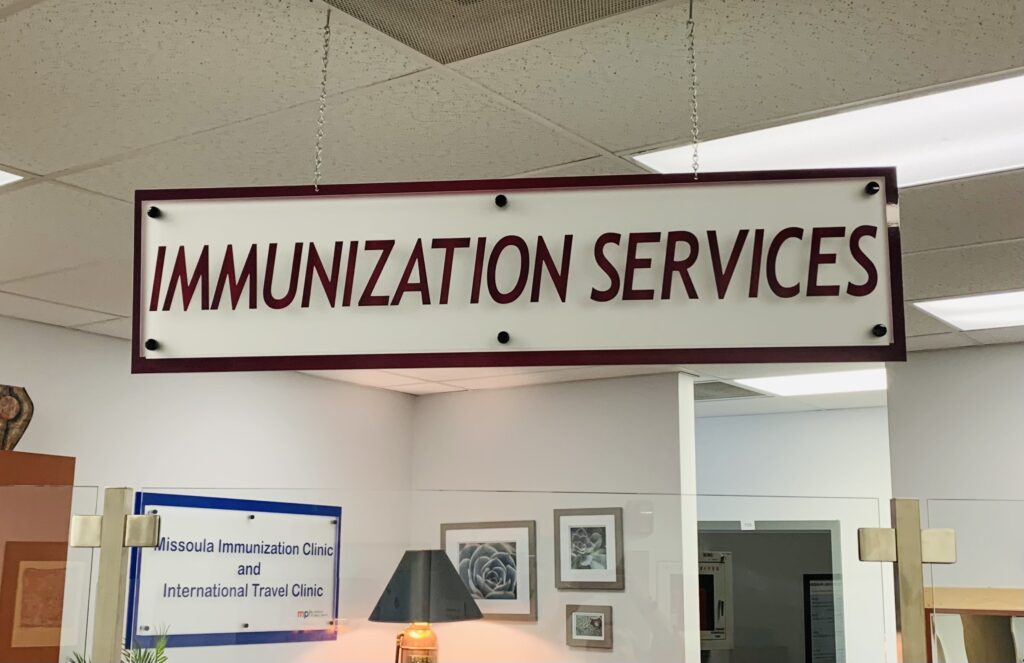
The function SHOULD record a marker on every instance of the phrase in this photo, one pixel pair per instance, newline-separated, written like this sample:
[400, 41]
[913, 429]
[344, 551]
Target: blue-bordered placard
[146, 502]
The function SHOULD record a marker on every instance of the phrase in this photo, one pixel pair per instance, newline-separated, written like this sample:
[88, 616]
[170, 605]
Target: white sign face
[236, 572]
[638, 269]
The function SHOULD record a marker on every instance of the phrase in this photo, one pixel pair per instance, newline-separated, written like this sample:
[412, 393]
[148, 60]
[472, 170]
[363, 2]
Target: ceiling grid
[115, 95]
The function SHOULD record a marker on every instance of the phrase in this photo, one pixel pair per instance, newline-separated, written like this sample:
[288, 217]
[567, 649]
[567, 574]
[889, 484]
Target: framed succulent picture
[588, 626]
[588, 549]
[497, 562]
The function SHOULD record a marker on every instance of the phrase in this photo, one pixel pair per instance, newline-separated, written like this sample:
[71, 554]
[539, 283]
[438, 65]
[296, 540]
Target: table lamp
[424, 589]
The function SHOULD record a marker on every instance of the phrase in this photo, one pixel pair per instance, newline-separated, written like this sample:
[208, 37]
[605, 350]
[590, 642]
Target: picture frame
[32, 600]
[589, 626]
[497, 562]
[589, 549]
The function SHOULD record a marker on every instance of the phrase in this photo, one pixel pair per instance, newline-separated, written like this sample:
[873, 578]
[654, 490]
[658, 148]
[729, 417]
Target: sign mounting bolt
[501, 200]
[504, 337]
[154, 212]
[872, 188]
[152, 344]
[879, 330]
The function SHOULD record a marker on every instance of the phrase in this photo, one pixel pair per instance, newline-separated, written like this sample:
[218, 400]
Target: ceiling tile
[429, 126]
[995, 336]
[560, 375]
[744, 406]
[602, 165]
[103, 286]
[14, 306]
[846, 401]
[424, 388]
[88, 79]
[47, 227]
[621, 82]
[118, 328]
[367, 378]
[740, 371]
[938, 342]
[964, 271]
[920, 323]
[451, 374]
[961, 212]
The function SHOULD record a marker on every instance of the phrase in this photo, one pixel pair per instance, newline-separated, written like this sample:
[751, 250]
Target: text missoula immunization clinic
[244, 590]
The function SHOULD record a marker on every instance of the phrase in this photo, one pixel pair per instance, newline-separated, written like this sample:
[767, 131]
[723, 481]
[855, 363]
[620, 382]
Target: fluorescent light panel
[8, 178]
[935, 137]
[1005, 309]
[839, 382]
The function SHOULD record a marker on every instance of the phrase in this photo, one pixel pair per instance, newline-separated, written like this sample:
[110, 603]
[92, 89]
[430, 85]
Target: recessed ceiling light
[8, 178]
[939, 136]
[839, 382]
[1005, 309]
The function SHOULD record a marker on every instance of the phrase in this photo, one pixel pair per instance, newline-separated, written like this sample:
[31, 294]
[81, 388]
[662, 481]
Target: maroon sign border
[895, 351]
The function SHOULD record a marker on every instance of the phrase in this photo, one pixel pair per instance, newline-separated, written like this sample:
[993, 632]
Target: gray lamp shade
[425, 588]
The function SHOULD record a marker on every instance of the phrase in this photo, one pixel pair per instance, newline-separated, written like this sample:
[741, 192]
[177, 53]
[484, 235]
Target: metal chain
[318, 162]
[691, 48]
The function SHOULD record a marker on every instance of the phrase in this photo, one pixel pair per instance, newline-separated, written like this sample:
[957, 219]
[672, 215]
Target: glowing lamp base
[416, 644]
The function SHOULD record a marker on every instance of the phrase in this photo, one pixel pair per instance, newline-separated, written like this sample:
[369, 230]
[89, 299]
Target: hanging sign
[235, 572]
[734, 267]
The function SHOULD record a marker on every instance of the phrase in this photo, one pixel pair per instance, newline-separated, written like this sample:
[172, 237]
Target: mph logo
[306, 614]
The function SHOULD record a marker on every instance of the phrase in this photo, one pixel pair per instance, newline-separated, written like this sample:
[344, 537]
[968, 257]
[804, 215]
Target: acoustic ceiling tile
[90, 79]
[117, 328]
[747, 406]
[993, 336]
[426, 388]
[428, 126]
[47, 227]
[964, 271]
[846, 401]
[102, 286]
[741, 371]
[938, 342]
[366, 378]
[561, 375]
[464, 373]
[623, 82]
[961, 212]
[24, 308]
[602, 165]
[920, 323]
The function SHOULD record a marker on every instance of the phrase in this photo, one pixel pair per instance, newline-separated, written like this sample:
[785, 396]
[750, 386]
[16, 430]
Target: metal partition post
[115, 533]
[909, 548]
[909, 576]
[112, 580]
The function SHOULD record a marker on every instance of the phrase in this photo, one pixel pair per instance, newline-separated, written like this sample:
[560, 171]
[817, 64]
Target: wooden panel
[35, 513]
[988, 639]
[983, 599]
[24, 469]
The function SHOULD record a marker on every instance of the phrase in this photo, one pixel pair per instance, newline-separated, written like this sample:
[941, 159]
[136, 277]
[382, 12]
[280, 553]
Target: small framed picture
[588, 626]
[497, 562]
[588, 549]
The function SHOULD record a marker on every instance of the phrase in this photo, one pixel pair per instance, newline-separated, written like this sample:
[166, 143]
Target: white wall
[340, 444]
[957, 423]
[836, 453]
[620, 439]
[518, 454]
[957, 431]
[810, 466]
[601, 435]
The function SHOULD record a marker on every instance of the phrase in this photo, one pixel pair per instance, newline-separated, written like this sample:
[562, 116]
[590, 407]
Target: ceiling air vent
[452, 30]
[713, 391]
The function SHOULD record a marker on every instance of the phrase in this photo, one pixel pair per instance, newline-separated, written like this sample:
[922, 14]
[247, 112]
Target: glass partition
[558, 576]
[45, 586]
[975, 607]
